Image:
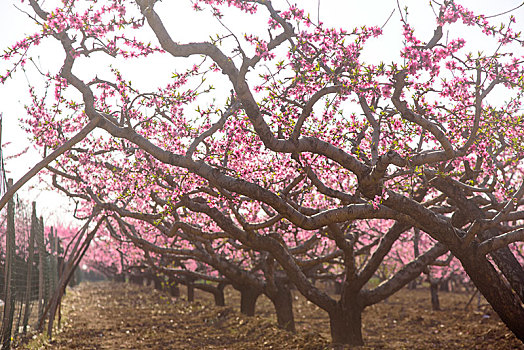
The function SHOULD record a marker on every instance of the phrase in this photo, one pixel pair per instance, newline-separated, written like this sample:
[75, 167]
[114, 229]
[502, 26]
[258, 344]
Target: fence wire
[28, 271]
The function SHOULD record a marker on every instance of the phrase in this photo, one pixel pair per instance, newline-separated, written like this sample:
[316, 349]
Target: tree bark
[283, 302]
[220, 300]
[435, 303]
[190, 291]
[218, 292]
[248, 300]
[511, 268]
[174, 291]
[120, 277]
[416, 252]
[496, 291]
[444, 285]
[157, 280]
[136, 279]
[469, 211]
[346, 325]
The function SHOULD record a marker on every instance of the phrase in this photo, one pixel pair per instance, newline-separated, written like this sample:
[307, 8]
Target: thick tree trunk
[283, 302]
[338, 287]
[435, 303]
[120, 277]
[220, 300]
[157, 280]
[444, 285]
[174, 291]
[173, 288]
[190, 292]
[413, 284]
[136, 279]
[511, 268]
[346, 325]
[503, 257]
[496, 291]
[248, 300]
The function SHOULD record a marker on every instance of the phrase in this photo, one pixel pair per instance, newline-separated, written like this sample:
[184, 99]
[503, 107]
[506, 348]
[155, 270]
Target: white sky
[184, 27]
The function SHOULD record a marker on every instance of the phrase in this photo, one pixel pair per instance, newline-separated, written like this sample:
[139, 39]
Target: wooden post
[55, 271]
[52, 262]
[41, 268]
[7, 322]
[30, 260]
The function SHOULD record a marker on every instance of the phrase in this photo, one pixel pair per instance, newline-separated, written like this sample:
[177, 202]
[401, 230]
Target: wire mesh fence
[29, 271]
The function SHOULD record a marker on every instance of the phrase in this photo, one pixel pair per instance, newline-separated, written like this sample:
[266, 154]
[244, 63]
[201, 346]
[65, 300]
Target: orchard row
[278, 151]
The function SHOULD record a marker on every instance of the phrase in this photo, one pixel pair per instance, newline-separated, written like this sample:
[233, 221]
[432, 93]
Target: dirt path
[124, 316]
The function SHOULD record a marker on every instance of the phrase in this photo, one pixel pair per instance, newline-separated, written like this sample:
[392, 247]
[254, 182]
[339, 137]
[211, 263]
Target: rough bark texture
[283, 302]
[136, 279]
[496, 291]
[248, 300]
[190, 292]
[469, 211]
[158, 283]
[346, 325]
[511, 269]
[174, 290]
[435, 303]
[218, 292]
[220, 300]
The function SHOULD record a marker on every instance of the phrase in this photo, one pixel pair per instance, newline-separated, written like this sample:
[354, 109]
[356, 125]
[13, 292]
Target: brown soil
[110, 315]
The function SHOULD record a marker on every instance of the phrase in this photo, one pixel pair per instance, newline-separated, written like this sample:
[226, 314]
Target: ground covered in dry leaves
[108, 315]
